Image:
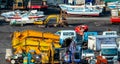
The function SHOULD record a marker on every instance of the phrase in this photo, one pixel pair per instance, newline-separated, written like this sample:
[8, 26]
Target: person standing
[72, 49]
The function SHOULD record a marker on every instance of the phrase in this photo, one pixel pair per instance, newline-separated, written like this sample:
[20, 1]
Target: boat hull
[83, 14]
[81, 10]
[20, 18]
[115, 19]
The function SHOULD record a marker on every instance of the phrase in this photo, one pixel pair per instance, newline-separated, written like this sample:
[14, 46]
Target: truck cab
[64, 34]
[85, 38]
[106, 45]
[110, 52]
[86, 34]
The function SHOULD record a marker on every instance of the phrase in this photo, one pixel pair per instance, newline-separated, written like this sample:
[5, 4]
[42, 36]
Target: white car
[64, 34]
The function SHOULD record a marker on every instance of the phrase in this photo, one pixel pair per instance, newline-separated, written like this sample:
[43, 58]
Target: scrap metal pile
[33, 47]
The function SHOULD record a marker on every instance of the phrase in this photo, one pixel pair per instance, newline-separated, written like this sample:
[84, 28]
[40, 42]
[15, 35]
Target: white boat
[18, 15]
[88, 10]
[113, 5]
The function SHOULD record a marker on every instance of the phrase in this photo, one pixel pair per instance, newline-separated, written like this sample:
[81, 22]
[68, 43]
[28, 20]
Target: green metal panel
[110, 0]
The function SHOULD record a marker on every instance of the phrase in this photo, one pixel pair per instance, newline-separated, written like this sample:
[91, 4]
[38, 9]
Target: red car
[81, 28]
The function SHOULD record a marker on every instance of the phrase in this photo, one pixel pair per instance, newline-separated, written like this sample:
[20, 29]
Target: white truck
[106, 45]
[64, 34]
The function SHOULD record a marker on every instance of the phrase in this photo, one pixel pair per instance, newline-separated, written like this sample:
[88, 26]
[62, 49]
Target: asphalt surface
[98, 24]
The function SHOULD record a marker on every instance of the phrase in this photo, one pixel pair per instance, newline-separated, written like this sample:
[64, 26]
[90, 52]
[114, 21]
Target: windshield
[110, 33]
[109, 51]
[68, 33]
[58, 33]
